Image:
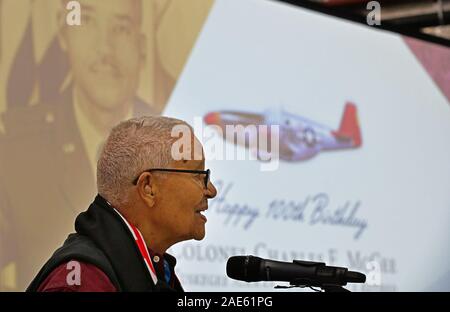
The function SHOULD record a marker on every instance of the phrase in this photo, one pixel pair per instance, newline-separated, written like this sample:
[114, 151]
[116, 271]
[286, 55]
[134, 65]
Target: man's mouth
[105, 69]
[199, 211]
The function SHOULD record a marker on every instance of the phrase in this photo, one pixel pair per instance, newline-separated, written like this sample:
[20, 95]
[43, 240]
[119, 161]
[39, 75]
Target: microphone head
[244, 268]
[355, 277]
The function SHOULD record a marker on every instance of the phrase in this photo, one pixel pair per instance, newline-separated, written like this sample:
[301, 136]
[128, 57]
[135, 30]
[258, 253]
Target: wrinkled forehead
[192, 154]
[124, 9]
[194, 148]
[198, 150]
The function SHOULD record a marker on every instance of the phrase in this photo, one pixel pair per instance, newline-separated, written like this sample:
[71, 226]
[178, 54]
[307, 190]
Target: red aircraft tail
[349, 128]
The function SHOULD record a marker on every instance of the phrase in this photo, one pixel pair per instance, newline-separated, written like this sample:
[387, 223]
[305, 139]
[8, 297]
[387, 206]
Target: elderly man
[147, 201]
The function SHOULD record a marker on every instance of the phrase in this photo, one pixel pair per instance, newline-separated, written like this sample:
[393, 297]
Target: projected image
[299, 138]
[357, 110]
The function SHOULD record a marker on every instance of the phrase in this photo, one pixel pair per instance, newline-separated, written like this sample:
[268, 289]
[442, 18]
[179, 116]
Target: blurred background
[426, 16]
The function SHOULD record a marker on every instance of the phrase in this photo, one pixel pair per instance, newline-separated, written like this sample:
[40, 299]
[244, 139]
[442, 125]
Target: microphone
[300, 273]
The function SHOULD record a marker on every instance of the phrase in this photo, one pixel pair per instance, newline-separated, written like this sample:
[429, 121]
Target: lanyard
[142, 247]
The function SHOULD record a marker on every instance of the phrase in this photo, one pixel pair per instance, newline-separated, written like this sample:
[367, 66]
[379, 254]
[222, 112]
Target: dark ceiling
[430, 17]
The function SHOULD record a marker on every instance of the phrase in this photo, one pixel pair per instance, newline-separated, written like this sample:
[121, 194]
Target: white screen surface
[391, 193]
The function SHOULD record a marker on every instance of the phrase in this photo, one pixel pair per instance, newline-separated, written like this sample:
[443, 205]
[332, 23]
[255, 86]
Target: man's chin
[199, 236]
[109, 97]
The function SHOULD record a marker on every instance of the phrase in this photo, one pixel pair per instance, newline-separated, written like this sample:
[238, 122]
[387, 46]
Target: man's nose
[210, 191]
[105, 42]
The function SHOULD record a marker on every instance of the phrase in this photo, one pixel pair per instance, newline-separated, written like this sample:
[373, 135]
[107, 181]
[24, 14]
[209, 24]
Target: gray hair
[132, 147]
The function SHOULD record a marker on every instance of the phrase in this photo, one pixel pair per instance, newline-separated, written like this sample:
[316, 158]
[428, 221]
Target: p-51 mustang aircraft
[300, 138]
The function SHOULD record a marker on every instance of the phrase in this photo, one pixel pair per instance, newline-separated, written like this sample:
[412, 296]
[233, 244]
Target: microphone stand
[325, 288]
[334, 288]
[329, 283]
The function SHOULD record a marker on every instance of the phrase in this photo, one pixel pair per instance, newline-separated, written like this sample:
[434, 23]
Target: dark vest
[103, 239]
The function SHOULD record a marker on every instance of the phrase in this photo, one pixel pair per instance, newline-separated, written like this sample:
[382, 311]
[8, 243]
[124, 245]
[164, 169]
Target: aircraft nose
[212, 118]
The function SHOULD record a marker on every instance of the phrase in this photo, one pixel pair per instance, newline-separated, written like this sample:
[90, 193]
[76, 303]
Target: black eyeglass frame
[206, 172]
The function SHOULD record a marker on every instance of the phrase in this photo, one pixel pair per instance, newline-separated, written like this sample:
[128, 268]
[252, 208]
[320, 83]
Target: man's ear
[146, 188]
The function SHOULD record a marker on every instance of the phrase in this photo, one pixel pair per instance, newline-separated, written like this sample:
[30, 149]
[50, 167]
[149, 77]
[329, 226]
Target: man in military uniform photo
[49, 151]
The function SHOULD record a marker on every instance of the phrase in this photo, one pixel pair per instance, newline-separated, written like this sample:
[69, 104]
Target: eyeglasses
[205, 172]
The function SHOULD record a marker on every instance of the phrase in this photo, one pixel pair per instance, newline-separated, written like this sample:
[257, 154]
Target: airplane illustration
[300, 138]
